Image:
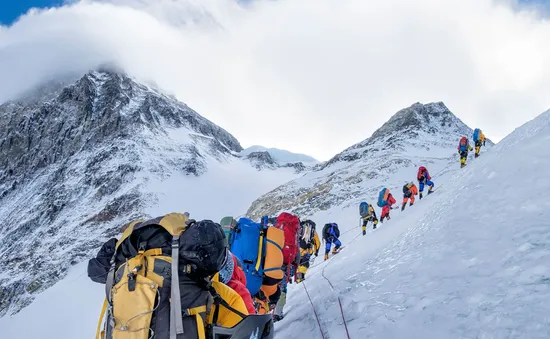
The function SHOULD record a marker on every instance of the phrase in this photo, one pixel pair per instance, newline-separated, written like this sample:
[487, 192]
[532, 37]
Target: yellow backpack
[144, 298]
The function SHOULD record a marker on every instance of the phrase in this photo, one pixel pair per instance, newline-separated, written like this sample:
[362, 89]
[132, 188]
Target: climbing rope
[314, 311]
[333, 290]
[330, 283]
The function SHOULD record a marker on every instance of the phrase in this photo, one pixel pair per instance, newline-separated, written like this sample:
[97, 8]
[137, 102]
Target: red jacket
[238, 284]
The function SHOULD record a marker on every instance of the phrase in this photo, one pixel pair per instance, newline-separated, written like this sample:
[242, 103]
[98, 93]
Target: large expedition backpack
[463, 145]
[307, 233]
[363, 209]
[326, 230]
[290, 224]
[383, 197]
[477, 132]
[227, 224]
[153, 286]
[259, 248]
[420, 175]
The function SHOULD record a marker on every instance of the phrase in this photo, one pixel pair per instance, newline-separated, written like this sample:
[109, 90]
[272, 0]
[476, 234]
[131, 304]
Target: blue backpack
[476, 134]
[463, 145]
[245, 243]
[363, 209]
[381, 201]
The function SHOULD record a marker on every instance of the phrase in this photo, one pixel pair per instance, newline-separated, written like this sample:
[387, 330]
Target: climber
[424, 178]
[309, 246]
[409, 191]
[144, 252]
[291, 226]
[232, 275]
[367, 214]
[463, 149]
[278, 311]
[385, 200]
[479, 140]
[330, 236]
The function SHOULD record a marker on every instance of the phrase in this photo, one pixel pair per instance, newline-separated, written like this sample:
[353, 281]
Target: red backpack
[290, 224]
[420, 173]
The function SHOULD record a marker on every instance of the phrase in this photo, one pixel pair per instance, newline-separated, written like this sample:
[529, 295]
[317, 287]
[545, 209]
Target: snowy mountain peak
[417, 117]
[411, 126]
[282, 156]
[261, 160]
[423, 134]
[80, 159]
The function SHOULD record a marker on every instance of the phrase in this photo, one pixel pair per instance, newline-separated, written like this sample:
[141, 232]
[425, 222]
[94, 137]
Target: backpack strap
[176, 321]
[101, 315]
[260, 251]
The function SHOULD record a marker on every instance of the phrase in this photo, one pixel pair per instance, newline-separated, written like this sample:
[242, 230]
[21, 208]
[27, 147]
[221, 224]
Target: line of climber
[410, 190]
[172, 275]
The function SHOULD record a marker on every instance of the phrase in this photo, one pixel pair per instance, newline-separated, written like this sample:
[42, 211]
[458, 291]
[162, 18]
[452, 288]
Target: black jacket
[98, 267]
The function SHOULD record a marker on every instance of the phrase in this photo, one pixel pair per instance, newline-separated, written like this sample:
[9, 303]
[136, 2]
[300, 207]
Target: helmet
[253, 326]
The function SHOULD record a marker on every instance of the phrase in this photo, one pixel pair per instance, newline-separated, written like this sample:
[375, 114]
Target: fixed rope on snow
[314, 311]
[339, 300]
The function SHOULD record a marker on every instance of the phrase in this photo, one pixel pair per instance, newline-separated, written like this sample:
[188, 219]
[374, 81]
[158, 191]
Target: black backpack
[144, 297]
[326, 230]
[307, 233]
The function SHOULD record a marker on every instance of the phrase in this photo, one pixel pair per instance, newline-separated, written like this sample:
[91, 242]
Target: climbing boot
[278, 317]
[326, 256]
[403, 206]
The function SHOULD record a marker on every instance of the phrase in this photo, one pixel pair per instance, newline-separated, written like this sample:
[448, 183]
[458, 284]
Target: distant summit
[281, 156]
[422, 134]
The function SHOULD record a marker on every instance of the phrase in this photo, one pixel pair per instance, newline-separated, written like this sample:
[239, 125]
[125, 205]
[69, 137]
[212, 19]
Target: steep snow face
[470, 261]
[281, 156]
[79, 161]
[421, 135]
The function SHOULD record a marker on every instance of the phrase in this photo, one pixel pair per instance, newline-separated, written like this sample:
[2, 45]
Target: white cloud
[311, 76]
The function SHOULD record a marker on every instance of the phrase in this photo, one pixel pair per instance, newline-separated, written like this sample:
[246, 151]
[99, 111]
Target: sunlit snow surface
[470, 261]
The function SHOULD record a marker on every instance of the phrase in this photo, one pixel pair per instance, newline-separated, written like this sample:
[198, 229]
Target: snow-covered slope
[419, 135]
[281, 156]
[470, 261]
[79, 160]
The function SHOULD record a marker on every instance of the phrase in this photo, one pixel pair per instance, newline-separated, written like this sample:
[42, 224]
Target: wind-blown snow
[470, 261]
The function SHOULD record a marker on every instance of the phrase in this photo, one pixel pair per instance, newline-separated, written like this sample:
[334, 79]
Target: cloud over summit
[311, 76]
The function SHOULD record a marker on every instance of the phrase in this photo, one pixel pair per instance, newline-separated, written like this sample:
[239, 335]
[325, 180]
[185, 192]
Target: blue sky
[10, 10]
